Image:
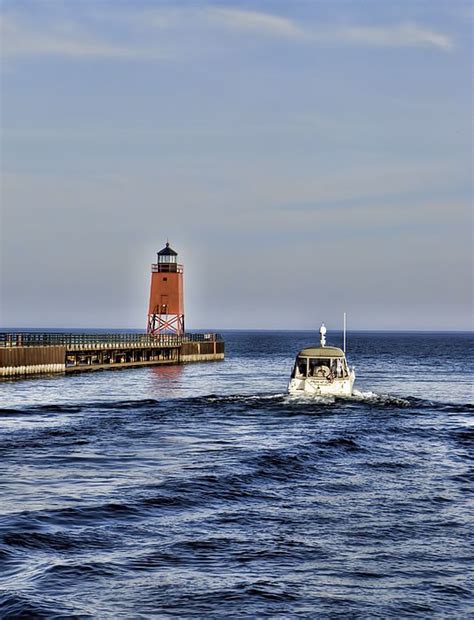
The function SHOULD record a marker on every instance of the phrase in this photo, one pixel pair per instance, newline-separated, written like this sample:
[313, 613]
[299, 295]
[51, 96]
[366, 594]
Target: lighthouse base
[165, 324]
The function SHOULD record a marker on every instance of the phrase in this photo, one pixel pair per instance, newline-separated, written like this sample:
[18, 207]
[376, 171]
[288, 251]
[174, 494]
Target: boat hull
[318, 387]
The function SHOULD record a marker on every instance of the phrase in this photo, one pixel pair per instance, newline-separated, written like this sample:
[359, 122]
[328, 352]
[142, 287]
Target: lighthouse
[166, 307]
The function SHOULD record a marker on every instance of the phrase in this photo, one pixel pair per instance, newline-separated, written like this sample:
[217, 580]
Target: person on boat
[323, 371]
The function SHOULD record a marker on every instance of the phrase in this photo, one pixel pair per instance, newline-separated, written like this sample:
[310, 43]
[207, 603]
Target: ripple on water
[209, 492]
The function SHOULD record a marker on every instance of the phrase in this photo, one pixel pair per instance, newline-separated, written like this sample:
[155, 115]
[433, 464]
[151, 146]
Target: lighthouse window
[165, 279]
[166, 259]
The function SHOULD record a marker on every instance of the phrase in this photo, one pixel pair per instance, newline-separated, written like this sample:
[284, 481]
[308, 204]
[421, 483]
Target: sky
[304, 158]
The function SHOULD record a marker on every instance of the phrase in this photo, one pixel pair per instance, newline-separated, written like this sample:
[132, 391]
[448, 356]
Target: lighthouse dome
[167, 251]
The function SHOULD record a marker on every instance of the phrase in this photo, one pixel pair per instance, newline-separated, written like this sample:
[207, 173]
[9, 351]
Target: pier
[29, 353]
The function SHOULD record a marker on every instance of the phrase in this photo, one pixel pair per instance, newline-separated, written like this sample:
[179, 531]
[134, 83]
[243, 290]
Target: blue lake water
[205, 491]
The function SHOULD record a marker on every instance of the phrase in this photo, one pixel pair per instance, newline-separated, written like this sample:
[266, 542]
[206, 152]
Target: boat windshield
[321, 367]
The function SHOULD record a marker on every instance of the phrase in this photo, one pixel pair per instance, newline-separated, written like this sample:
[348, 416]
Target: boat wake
[385, 399]
[357, 397]
[276, 401]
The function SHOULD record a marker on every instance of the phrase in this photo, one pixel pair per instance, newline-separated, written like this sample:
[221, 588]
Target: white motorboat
[322, 371]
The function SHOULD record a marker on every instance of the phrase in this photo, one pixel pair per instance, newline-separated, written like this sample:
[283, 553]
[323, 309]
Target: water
[205, 491]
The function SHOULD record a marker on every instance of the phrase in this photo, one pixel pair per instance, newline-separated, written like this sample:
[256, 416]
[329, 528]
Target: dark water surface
[205, 491]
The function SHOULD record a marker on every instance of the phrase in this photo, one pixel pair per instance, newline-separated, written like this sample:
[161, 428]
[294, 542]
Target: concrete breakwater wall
[201, 351]
[27, 354]
[16, 361]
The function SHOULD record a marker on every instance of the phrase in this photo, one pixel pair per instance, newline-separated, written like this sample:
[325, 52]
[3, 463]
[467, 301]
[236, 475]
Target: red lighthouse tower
[166, 308]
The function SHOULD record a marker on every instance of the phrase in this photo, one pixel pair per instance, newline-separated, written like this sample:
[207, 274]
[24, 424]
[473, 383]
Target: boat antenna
[344, 334]
[322, 334]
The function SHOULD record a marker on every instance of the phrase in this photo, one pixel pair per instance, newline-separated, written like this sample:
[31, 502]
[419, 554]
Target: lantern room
[167, 259]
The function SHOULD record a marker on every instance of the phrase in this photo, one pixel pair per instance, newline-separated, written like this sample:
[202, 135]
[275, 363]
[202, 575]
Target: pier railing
[45, 339]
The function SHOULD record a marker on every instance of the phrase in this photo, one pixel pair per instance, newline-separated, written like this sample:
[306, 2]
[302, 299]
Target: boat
[322, 371]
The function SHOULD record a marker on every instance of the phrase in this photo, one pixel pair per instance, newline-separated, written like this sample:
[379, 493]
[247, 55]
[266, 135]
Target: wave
[274, 401]
[58, 541]
[380, 399]
[17, 606]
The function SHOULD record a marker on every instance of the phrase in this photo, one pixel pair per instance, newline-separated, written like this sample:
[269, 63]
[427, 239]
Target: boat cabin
[321, 363]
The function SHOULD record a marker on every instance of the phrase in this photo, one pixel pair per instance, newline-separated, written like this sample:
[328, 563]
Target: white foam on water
[243, 397]
[357, 396]
[309, 398]
[372, 397]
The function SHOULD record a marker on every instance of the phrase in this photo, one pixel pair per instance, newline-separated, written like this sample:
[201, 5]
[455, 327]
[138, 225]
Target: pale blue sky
[304, 158]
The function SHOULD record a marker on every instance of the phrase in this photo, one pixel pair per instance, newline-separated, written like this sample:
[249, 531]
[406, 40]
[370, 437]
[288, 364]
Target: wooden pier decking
[28, 353]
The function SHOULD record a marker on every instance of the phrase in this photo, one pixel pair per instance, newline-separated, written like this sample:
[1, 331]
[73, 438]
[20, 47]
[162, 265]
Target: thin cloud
[19, 40]
[53, 37]
[405, 35]
[253, 21]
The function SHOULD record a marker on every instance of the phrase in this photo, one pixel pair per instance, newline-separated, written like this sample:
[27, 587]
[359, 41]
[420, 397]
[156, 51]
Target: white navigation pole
[322, 333]
[344, 337]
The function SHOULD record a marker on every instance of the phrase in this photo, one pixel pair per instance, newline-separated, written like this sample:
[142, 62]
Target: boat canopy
[326, 352]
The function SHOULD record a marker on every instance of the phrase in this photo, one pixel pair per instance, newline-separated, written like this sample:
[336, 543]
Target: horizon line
[237, 329]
